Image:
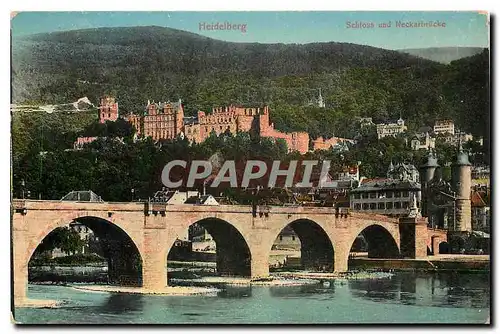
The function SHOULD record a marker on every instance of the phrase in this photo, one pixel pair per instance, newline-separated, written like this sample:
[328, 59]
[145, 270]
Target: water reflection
[441, 297]
[436, 289]
[235, 292]
[302, 291]
[118, 303]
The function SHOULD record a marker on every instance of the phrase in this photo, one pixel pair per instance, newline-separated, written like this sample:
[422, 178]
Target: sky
[466, 29]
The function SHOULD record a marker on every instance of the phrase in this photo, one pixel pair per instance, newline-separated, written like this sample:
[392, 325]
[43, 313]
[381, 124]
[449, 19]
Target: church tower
[321, 103]
[461, 183]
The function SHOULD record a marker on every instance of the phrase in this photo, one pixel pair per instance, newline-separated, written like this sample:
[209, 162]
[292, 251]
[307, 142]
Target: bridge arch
[316, 245]
[382, 242]
[233, 252]
[120, 245]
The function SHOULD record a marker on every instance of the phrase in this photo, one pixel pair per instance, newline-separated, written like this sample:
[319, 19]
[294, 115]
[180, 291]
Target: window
[109, 114]
[373, 195]
[357, 206]
[281, 238]
[406, 205]
[373, 206]
[397, 205]
[365, 195]
[397, 194]
[293, 238]
[356, 196]
[365, 206]
[381, 206]
[389, 194]
[388, 205]
[406, 193]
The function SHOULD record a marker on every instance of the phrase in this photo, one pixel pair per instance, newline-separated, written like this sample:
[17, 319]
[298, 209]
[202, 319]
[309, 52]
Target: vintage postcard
[313, 167]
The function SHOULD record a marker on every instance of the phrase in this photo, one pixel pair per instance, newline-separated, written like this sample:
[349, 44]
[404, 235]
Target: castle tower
[108, 109]
[427, 173]
[428, 169]
[461, 183]
[264, 121]
[179, 119]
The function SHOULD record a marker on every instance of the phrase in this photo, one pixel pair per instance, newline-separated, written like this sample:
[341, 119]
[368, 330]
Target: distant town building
[202, 200]
[422, 141]
[366, 122]
[174, 197]
[349, 173]
[391, 129]
[402, 171]
[386, 196]
[82, 141]
[399, 194]
[83, 231]
[480, 204]
[480, 176]
[85, 234]
[287, 240]
[108, 109]
[82, 196]
[444, 127]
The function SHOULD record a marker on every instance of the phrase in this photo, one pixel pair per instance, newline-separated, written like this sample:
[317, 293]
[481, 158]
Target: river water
[404, 298]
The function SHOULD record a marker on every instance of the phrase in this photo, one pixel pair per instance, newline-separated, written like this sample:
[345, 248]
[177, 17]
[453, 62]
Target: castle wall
[325, 144]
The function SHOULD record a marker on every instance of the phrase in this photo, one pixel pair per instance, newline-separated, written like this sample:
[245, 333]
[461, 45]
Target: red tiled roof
[477, 200]
[374, 179]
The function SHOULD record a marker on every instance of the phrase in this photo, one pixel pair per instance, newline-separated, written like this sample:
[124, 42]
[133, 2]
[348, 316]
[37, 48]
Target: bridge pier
[341, 257]
[20, 263]
[154, 271]
[259, 265]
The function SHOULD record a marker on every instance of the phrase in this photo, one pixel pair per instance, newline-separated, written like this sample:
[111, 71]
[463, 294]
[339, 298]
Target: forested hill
[444, 55]
[140, 63]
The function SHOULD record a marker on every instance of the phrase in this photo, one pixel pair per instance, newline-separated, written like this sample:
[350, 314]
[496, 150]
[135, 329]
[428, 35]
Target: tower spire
[321, 103]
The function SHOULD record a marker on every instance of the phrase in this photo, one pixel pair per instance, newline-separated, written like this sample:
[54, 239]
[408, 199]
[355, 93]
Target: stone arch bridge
[244, 235]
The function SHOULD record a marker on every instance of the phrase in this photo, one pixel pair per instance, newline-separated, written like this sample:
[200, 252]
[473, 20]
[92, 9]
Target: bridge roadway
[244, 234]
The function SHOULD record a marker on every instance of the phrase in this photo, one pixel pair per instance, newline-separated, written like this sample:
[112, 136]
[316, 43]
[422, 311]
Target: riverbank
[168, 290]
[38, 303]
[272, 281]
[333, 276]
[455, 262]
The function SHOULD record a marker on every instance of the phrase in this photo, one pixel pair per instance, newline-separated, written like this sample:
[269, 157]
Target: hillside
[444, 55]
[140, 63]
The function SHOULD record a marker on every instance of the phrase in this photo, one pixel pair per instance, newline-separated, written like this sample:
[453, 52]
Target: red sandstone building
[160, 121]
[166, 121]
[234, 119]
[108, 109]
